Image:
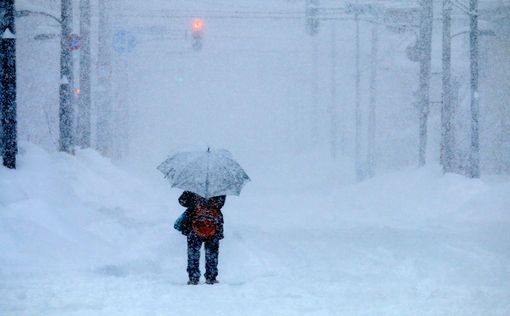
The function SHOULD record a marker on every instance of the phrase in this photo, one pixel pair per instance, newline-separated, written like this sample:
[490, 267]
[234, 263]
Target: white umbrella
[206, 173]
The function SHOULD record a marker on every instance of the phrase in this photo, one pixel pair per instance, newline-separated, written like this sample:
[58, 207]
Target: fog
[373, 189]
[262, 86]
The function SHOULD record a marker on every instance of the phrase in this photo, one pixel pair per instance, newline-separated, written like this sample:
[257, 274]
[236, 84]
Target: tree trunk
[66, 81]
[9, 143]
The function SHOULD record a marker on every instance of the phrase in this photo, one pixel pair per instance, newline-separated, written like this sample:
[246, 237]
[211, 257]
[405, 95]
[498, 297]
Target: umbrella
[207, 173]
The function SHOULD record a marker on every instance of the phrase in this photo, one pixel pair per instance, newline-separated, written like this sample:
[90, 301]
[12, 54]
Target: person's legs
[211, 259]
[194, 245]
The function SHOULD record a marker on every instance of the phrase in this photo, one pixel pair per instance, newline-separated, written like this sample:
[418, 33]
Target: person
[186, 225]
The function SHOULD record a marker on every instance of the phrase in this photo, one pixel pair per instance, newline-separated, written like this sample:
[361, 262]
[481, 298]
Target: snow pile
[80, 236]
[59, 209]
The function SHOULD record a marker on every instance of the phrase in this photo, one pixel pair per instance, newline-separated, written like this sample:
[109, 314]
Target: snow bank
[60, 209]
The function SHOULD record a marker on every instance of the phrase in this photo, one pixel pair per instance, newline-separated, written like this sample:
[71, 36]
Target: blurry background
[265, 85]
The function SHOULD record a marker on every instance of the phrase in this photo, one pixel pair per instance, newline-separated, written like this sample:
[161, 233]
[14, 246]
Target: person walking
[206, 177]
[201, 223]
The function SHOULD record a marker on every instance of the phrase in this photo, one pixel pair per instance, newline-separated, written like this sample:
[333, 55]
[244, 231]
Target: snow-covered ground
[81, 236]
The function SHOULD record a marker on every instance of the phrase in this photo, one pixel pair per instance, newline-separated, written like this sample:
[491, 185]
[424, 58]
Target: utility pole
[312, 28]
[359, 171]
[66, 142]
[8, 84]
[474, 157]
[425, 53]
[372, 101]
[315, 90]
[446, 109]
[104, 101]
[333, 106]
[84, 110]
[357, 9]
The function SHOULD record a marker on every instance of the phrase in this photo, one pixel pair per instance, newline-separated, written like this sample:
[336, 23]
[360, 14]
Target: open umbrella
[206, 173]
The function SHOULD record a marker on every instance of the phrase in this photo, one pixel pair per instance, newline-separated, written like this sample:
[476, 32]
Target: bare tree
[66, 139]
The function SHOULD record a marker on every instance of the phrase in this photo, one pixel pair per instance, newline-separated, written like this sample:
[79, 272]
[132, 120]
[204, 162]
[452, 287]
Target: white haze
[249, 89]
[84, 234]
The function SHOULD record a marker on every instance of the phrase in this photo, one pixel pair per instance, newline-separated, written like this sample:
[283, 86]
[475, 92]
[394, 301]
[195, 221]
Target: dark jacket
[190, 201]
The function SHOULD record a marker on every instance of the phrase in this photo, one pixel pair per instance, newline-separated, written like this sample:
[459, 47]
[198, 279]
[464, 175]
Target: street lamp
[66, 72]
[480, 33]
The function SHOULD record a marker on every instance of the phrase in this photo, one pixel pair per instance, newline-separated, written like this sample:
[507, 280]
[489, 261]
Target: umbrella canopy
[207, 173]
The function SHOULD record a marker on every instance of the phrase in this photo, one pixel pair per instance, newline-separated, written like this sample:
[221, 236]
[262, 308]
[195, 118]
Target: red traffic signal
[197, 25]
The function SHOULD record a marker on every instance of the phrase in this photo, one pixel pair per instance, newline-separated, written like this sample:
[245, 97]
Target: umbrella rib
[167, 175]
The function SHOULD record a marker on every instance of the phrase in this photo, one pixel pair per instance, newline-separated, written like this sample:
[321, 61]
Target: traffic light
[197, 30]
[312, 17]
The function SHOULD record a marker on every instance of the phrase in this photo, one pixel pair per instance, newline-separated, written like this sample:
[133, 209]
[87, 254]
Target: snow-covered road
[93, 239]
[363, 271]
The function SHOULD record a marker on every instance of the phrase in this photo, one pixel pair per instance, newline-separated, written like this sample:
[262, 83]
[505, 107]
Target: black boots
[211, 281]
[193, 281]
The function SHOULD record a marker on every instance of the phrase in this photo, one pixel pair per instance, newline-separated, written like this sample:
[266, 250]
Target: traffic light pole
[66, 79]
[197, 29]
[8, 85]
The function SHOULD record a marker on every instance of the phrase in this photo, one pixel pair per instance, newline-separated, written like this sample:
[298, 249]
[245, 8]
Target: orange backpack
[205, 220]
